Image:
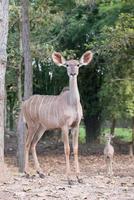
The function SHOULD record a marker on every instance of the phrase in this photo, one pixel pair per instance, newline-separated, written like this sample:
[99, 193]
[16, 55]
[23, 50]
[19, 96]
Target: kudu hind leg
[30, 134]
[35, 140]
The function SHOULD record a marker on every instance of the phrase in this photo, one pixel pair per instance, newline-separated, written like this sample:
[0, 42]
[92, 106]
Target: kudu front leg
[67, 153]
[108, 166]
[75, 134]
[111, 167]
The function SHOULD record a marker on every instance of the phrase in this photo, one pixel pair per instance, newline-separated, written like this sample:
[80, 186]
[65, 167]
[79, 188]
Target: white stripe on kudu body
[64, 111]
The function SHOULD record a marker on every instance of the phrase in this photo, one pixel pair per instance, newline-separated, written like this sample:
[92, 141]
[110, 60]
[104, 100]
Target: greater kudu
[109, 154]
[64, 111]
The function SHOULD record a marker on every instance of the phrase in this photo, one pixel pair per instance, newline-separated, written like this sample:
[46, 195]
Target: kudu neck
[74, 92]
[108, 142]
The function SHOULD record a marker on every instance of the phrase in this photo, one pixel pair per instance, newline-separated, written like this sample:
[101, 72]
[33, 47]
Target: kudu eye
[78, 65]
[67, 65]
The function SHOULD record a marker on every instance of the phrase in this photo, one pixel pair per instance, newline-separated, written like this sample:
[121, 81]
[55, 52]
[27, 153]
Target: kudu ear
[112, 136]
[86, 58]
[58, 59]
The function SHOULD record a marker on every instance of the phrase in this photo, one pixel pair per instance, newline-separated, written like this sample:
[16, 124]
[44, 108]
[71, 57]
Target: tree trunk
[21, 143]
[131, 153]
[19, 69]
[133, 130]
[11, 120]
[93, 126]
[19, 83]
[112, 129]
[5, 113]
[28, 90]
[28, 82]
[3, 61]
[20, 126]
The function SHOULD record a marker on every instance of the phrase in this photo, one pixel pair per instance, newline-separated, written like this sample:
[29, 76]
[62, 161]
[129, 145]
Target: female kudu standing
[64, 111]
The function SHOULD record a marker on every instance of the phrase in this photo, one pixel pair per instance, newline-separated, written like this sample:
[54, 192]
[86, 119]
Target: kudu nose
[73, 74]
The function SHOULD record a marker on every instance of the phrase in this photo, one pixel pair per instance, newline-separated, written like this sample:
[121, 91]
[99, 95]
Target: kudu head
[109, 137]
[72, 66]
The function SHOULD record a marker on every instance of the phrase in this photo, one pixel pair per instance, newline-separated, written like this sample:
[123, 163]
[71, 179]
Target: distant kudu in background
[109, 154]
[64, 111]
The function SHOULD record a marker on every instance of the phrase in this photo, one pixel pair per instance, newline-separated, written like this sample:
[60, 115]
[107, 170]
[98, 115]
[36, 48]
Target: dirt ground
[96, 185]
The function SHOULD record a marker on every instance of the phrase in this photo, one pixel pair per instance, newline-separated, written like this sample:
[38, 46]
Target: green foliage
[72, 27]
[82, 135]
[124, 134]
[114, 45]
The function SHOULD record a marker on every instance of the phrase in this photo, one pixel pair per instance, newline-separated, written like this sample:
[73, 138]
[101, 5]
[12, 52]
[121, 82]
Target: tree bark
[20, 67]
[11, 120]
[112, 129]
[133, 130]
[21, 143]
[3, 60]
[93, 126]
[28, 82]
[28, 85]
[131, 153]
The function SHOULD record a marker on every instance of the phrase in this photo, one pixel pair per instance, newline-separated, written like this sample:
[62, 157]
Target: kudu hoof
[70, 182]
[27, 175]
[80, 180]
[41, 175]
[33, 176]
